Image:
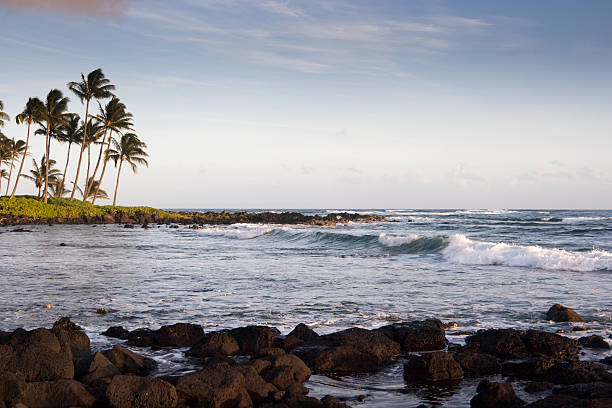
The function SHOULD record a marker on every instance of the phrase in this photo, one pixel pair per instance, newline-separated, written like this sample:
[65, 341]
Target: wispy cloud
[97, 8]
[282, 8]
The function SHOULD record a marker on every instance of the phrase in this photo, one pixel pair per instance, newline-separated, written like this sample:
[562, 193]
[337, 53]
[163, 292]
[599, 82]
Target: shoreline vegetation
[258, 366]
[51, 119]
[28, 210]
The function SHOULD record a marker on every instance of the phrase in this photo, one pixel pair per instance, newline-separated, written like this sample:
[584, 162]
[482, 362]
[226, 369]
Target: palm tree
[94, 191]
[58, 190]
[5, 155]
[94, 133]
[29, 115]
[3, 116]
[39, 173]
[70, 133]
[129, 149]
[114, 118]
[96, 85]
[54, 115]
[16, 149]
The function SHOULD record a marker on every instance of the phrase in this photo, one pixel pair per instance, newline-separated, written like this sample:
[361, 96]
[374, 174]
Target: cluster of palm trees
[111, 129]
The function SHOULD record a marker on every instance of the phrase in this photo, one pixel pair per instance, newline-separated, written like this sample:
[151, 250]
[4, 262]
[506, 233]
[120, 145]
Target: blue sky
[403, 104]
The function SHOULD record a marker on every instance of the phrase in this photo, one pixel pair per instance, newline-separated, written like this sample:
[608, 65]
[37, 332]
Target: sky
[335, 104]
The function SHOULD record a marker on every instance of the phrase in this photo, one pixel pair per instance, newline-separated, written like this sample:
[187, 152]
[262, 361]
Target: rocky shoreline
[256, 366]
[193, 218]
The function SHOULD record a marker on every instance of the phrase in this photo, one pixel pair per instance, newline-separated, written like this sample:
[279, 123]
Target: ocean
[478, 268]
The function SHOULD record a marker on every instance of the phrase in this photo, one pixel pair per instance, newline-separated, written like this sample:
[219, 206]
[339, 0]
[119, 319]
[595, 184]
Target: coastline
[30, 211]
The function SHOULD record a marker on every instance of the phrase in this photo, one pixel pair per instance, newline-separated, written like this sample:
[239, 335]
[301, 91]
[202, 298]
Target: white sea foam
[470, 252]
[578, 220]
[394, 240]
[237, 231]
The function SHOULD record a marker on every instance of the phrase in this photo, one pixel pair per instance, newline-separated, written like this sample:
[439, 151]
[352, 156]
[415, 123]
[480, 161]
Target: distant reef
[28, 210]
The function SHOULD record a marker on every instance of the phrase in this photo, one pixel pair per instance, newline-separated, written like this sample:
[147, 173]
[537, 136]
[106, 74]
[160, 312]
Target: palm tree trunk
[117, 185]
[47, 164]
[93, 177]
[67, 160]
[87, 177]
[25, 153]
[93, 200]
[76, 178]
[39, 187]
[8, 182]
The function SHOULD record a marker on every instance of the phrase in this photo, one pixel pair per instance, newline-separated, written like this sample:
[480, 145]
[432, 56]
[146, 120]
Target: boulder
[259, 389]
[286, 370]
[586, 391]
[495, 395]
[117, 332]
[567, 401]
[61, 393]
[173, 336]
[436, 366]
[12, 388]
[129, 362]
[594, 342]
[215, 343]
[332, 402]
[534, 368]
[100, 367]
[422, 335]
[478, 363]
[304, 333]
[560, 313]
[127, 391]
[251, 339]
[216, 386]
[550, 344]
[65, 323]
[503, 343]
[578, 372]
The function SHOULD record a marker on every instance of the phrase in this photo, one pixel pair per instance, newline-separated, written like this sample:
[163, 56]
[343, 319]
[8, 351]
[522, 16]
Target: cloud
[281, 8]
[97, 8]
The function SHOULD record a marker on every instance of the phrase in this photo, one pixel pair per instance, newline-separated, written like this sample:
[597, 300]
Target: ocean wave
[578, 220]
[393, 241]
[463, 250]
[237, 231]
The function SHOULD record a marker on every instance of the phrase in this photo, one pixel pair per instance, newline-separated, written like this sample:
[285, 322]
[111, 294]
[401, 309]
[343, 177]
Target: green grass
[31, 206]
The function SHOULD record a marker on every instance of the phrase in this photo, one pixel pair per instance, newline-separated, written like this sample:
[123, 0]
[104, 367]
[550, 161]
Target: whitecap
[395, 240]
[463, 250]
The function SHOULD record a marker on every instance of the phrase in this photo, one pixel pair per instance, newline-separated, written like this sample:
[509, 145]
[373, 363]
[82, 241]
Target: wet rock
[127, 391]
[75, 342]
[586, 391]
[332, 402]
[301, 401]
[351, 350]
[129, 362]
[538, 386]
[100, 367]
[37, 354]
[61, 393]
[511, 343]
[304, 333]
[101, 311]
[594, 342]
[534, 368]
[580, 328]
[285, 370]
[495, 395]
[213, 344]
[252, 339]
[216, 386]
[478, 363]
[259, 389]
[117, 332]
[565, 401]
[423, 335]
[142, 337]
[560, 313]
[65, 323]
[607, 360]
[178, 335]
[437, 366]
[577, 372]
[12, 387]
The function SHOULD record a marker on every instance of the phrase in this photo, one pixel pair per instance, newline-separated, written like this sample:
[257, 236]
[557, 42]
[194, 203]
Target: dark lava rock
[538, 386]
[66, 324]
[534, 368]
[495, 395]
[215, 343]
[127, 391]
[567, 401]
[578, 372]
[607, 360]
[178, 335]
[12, 388]
[259, 389]
[332, 402]
[37, 354]
[100, 367]
[478, 363]
[251, 339]
[285, 370]
[580, 328]
[594, 342]
[586, 391]
[129, 362]
[511, 343]
[217, 386]
[559, 313]
[304, 333]
[437, 366]
[423, 335]
[117, 332]
[61, 393]
[351, 350]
